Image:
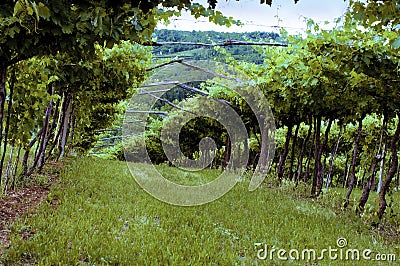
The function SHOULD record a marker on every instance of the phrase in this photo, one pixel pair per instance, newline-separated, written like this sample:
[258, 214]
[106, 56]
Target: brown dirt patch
[16, 204]
[24, 200]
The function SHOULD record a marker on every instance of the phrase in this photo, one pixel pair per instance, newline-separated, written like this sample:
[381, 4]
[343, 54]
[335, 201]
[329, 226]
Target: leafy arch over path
[74, 61]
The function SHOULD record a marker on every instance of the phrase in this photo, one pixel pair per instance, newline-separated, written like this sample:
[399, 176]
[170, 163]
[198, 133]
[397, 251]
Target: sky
[262, 17]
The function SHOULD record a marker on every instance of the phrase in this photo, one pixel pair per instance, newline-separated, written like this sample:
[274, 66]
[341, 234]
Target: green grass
[102, 217]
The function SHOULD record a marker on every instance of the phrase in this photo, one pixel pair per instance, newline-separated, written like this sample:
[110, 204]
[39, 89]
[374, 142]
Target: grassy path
[104, 218]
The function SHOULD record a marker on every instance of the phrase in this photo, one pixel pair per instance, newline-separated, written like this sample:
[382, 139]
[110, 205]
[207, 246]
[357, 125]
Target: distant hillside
[246, 53]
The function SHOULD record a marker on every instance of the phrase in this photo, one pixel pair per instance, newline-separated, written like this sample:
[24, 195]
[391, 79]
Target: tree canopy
[334, 95]
[65, 67]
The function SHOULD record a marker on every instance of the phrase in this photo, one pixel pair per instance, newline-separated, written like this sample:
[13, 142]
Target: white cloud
[257, 17]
